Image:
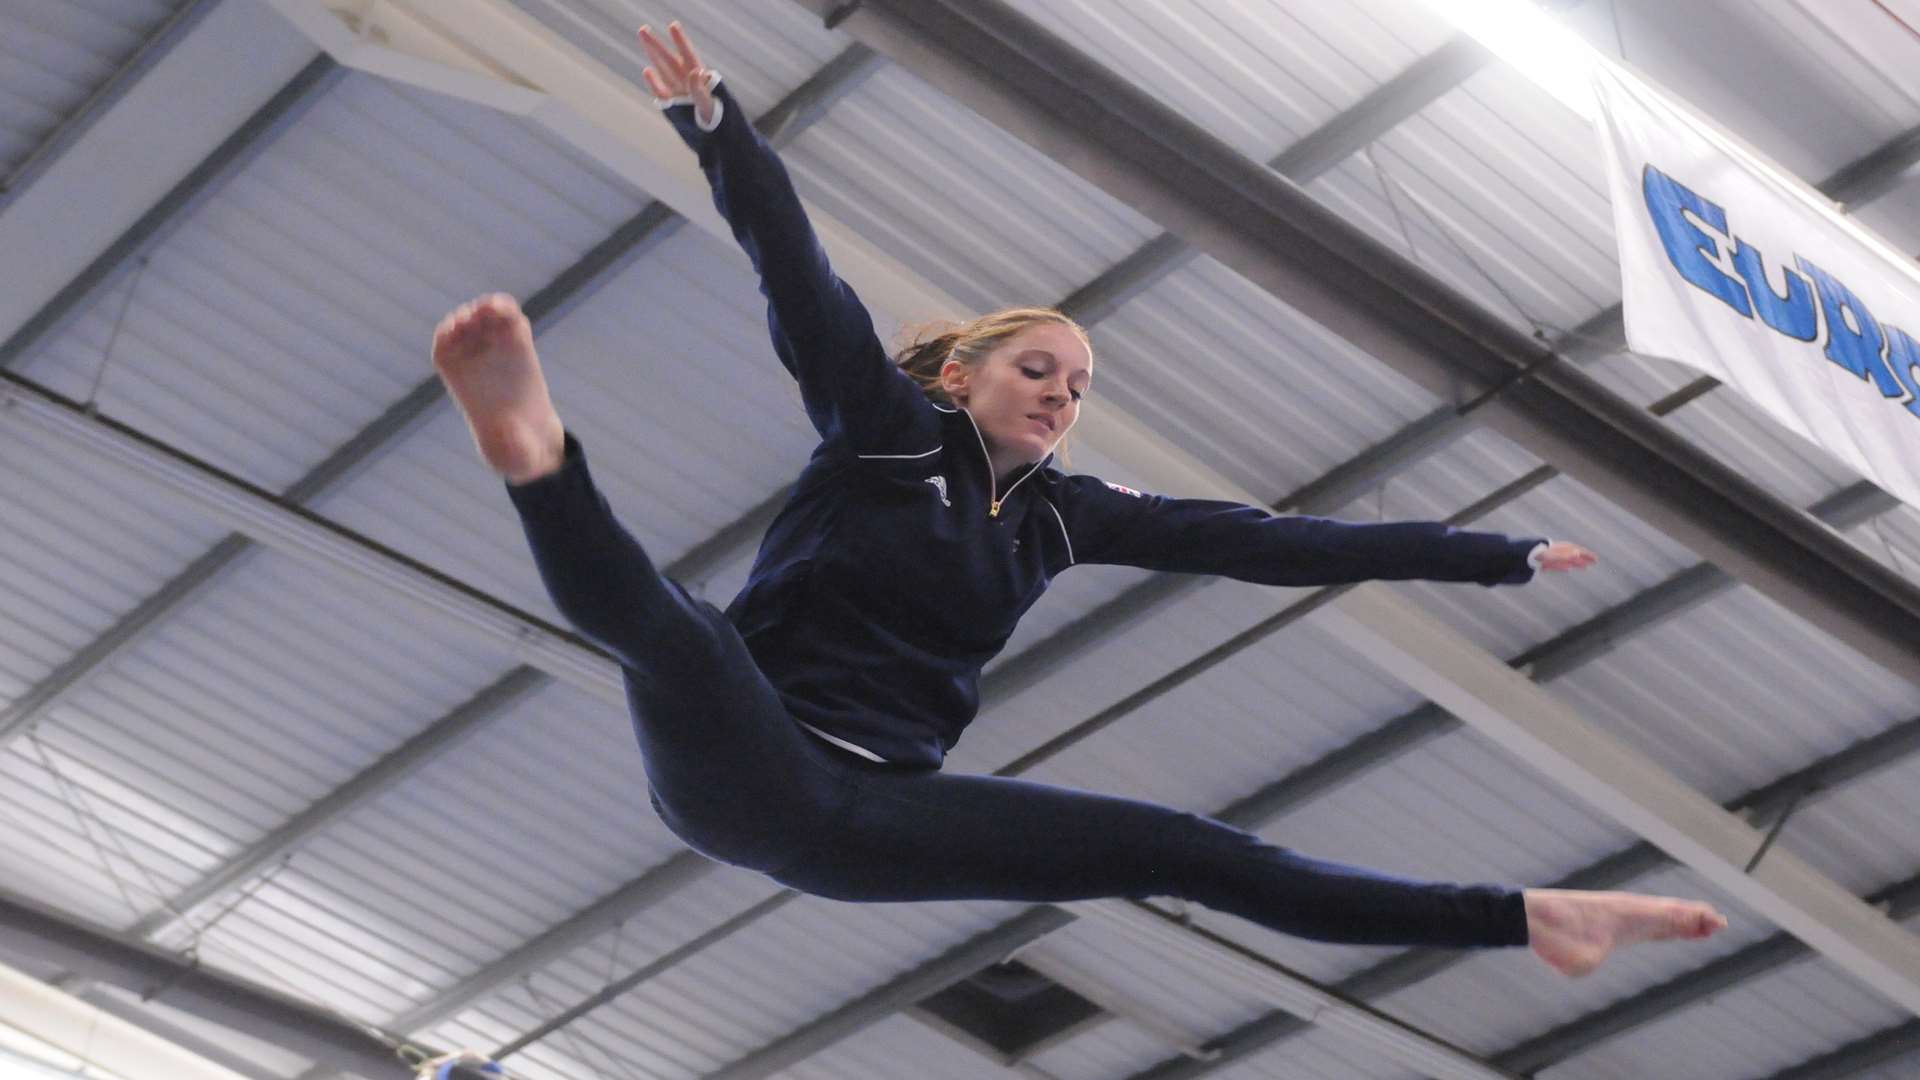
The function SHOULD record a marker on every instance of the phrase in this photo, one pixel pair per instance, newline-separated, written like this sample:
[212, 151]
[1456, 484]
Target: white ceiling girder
[1546, 733]
[100, 1040]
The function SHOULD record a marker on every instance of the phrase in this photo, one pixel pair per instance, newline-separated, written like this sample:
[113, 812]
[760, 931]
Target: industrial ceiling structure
[301, 768]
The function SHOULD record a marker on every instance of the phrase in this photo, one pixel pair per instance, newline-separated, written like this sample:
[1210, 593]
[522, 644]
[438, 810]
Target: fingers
[1566, 556]
[674, 72]
[685, 45]
[664, 62]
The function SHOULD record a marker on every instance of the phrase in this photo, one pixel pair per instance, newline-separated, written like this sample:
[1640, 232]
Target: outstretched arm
[1198, 536]
[821, 331]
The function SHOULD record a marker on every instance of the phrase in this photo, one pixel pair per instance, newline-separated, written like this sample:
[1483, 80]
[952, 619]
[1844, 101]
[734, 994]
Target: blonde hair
[931, 345]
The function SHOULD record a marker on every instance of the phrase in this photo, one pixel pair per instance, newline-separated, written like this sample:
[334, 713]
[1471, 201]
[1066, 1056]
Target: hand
[1564, 556]
[681, 75]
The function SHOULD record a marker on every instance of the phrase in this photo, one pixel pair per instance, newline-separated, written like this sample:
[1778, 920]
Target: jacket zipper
[994, 498]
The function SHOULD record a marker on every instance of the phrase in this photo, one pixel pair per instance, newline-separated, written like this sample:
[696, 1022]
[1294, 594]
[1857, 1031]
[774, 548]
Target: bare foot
[484, 353]
[1576, 931]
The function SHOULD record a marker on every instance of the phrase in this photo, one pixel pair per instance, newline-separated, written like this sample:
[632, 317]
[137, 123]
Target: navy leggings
[740, 781]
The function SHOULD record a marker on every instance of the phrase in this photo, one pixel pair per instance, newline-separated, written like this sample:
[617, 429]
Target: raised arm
[821, 331]
[1198, 536]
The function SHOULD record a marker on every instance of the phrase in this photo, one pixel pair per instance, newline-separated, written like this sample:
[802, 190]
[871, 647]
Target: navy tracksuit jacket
[899, 567]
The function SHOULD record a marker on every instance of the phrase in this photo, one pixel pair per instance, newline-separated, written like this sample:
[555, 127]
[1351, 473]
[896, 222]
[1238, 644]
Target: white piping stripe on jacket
[842, 743]
[903, 457]
[1063, 528]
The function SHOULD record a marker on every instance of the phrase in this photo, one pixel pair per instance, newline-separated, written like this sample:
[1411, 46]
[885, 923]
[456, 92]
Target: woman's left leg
[929, 836]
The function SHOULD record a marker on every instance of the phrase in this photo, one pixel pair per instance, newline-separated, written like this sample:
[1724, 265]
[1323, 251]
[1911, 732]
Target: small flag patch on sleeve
[1124, 489]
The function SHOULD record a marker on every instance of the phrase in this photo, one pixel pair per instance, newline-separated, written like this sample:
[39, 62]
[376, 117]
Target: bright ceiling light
[1535, 44]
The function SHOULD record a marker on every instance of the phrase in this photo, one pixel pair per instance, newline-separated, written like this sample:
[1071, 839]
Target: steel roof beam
[75, 125]
[29, 930]
[1857, 1057]
[192, 1042]
[1876, 174]
[1025, 79]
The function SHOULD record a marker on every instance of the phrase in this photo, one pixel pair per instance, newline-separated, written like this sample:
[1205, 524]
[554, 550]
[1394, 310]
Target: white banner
[1737, 269]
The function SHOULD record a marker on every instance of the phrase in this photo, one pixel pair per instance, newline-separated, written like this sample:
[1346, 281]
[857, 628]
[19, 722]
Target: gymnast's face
[1024, 394]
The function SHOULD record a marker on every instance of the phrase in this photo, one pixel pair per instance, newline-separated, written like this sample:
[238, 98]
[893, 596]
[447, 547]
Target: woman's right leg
[730, 771]
[930, 836]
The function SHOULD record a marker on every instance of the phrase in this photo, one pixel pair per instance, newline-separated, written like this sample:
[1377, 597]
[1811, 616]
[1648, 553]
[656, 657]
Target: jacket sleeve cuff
[719, 107]
[1538, 553]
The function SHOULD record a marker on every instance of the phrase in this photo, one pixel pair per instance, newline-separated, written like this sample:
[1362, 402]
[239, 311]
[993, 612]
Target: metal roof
[245, 754]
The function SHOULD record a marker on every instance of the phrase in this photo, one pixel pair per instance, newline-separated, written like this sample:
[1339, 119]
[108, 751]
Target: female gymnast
[800, 732]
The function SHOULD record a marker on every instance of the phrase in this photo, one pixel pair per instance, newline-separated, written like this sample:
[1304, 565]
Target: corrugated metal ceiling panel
[1774, 695]
[1862, 835]
[1136, 653]
[1489, 190]
[891, 1048]
[1317, 1055]
[1226, 733]
[1508, 620]
[659, 1034]
[1258, 75]
[788, 969]
[294, 309]
[667, 377]
[1243, 383]
[1111, 1048]
[57, 55]
[1839, 107]
[81, 543]
[211, 726]
[972, 210]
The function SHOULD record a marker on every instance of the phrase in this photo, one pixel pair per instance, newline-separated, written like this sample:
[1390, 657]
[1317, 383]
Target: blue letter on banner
[1686, 245]
[1792, 314]
[1903, 356]
[1856, 350]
